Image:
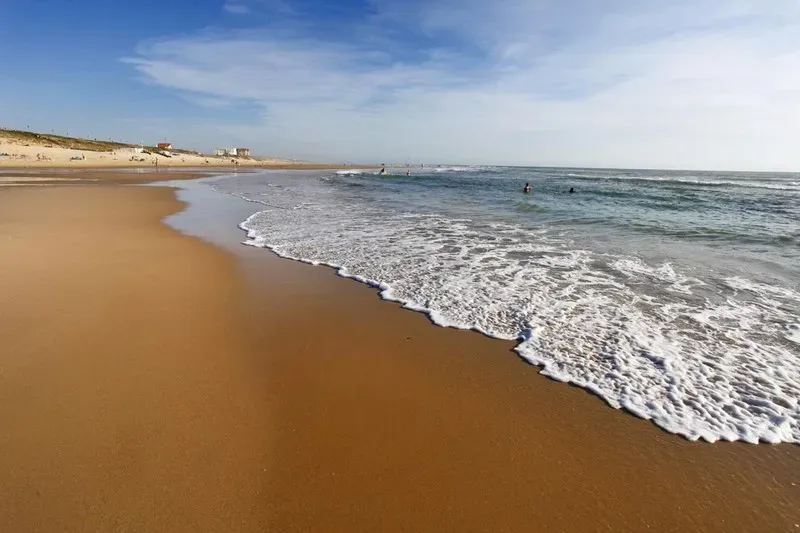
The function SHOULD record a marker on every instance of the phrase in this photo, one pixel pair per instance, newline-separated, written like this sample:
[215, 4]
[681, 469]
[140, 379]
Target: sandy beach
[98, 176]
[28, 177]
[150, 381]
[393, 424]
[39, 156]
[126, 401]
[32, 152]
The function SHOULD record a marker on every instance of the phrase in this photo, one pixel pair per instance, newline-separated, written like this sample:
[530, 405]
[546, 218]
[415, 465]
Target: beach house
[232, 152]
[164, 146]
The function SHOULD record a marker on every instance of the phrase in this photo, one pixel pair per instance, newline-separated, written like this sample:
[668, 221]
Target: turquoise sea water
[674, 295]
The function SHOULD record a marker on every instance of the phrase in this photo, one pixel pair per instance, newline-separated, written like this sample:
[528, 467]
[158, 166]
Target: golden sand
[387, 423]
[126, 403]
[150, 382]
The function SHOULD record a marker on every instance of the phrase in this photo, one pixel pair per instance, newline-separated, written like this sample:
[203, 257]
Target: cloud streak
[236, 8]
[706, 84]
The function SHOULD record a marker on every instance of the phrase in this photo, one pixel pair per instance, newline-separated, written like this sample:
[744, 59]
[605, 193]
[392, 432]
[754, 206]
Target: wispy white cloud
[708, 83]
[236, 7]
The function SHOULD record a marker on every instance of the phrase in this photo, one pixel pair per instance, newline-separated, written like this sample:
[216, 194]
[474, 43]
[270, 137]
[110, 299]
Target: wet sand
[388, 423]
[126, 399]
[149, 381]
[129, 176]
[63, 176]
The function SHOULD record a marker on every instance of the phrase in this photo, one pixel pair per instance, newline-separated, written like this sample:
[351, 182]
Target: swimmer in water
[571, 190]
[527, 188]
[408, 172]
[383, 169]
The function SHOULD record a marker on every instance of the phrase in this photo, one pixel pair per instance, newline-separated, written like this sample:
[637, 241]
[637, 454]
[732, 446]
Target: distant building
[232, 152]
[164, 146]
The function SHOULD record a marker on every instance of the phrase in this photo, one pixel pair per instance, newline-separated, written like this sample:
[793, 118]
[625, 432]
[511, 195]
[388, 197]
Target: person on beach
[527, 188]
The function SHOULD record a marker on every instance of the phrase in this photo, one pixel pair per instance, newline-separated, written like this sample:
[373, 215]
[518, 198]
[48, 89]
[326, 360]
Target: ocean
[674, 295]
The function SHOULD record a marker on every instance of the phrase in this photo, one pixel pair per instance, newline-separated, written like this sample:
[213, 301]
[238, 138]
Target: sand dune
[22, 155]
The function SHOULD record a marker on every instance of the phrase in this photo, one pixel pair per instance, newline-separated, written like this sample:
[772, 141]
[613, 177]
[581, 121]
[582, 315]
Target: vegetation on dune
[51, 140]
[60, 141]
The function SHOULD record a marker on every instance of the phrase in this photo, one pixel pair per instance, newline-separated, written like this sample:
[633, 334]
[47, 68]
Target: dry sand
[31, 152]
[22, 155]
[28, 154]
[149, 382]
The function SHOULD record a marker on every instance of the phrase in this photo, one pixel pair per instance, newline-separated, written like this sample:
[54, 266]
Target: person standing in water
[383, 168]
[571, 190]
[527, 188]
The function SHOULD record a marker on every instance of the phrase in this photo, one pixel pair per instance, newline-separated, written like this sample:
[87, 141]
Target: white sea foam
[687, 180]
[793, 333]
[636, 268]
[454, 169]
[353, 172]
[704, 362]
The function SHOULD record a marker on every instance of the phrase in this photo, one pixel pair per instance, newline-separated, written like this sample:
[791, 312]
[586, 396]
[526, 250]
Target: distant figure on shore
[571, 190]
[383, 169]
[527, 188]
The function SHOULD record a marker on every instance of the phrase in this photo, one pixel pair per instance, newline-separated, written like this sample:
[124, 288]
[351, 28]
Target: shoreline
[131, 175]
[380, 291]
[578, 429]
[58, 167]
[20, 149]
[364, 415]
[457, 426]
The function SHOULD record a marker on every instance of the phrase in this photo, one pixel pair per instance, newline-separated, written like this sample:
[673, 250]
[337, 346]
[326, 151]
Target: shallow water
[674, 295]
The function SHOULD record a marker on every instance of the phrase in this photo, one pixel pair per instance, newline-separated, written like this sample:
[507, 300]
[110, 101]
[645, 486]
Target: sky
[697, 84]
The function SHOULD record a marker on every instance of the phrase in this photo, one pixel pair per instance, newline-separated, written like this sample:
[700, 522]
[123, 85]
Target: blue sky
[667, 84]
